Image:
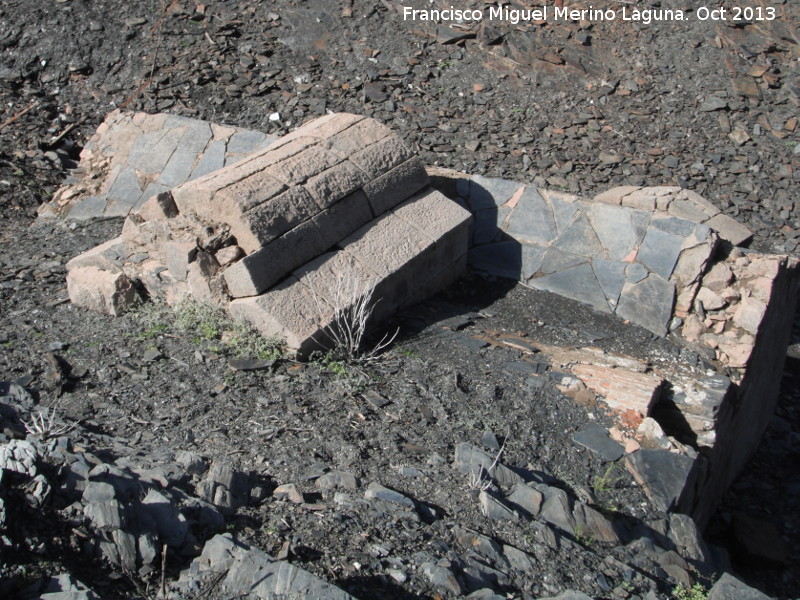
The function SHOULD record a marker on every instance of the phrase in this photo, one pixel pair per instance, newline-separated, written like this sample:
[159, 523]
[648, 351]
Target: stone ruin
[274, 237]
[269, 229]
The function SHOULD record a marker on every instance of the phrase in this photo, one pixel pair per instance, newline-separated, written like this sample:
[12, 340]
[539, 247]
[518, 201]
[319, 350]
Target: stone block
[381, 157]
[354, 138]
[301, 167]
[230, 202]
[271, 219]
[332, 185]
[110, 292]
[729, 229]
[659, 252]
[394, 186]
[622, 389]
[648, 303]
[615, 195]
[663, 475]
[158, 207]
[343, 218]
[179, 255]
[258, 271]
[290, 312]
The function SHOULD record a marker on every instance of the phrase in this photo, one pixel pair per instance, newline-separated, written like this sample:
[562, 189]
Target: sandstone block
[160, 206]
[110, 292]
[290, 311]
[381, 157]
[258, 271]
[615, 195]
[730, 229]
[332, 185]
[343, 218]
[262, 224]
[396, 185]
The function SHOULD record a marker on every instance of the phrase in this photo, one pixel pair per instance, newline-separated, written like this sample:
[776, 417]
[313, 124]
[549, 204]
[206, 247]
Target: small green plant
[696, 592]
[607, 481]
[445, 64]
[583, 537]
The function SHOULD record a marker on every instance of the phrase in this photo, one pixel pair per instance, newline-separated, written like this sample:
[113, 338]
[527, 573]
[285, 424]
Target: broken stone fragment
[108, 292]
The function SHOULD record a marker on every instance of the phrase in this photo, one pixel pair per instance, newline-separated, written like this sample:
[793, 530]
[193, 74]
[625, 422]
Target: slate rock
[728, 587]
[596, 438]
[470, 459]
[442, 578]
[171, 525]
[648, 303]
[376, 491]
[569, 595]
[663, 475]
[495, 509]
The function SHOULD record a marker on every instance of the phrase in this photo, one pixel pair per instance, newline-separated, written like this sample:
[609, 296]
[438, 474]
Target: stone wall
[668, 260]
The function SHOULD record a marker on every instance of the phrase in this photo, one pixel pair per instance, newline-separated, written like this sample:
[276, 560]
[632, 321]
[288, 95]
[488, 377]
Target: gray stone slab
[660, 250]
[178, 168]
[662, 474]
[245, 142]
[635, 272]
[485, 228]
[680, 227]
[578, 283]
[648, 303]
[124, 194]
[562, 212]
[728, 587]
[614, 227]
[211, 160]
[485, 192]
[532, 219]
[196, 137]
[611, 277]
[596, 438]
[502, 259]
[151, 152]
[532, 256]
[92, 207]
[579, 238]
[152, 189]
[641, 221]
[555, 260]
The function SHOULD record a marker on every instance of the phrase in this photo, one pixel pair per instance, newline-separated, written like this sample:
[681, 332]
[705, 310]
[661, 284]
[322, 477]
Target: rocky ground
[573, 105]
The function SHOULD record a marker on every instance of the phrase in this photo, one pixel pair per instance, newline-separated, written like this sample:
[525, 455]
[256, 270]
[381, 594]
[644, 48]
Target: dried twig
[13, 118]
[44, 424]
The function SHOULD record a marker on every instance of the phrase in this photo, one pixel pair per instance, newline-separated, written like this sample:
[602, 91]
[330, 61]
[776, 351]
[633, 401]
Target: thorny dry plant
[45, 423]
[482, 480]
[351, 301]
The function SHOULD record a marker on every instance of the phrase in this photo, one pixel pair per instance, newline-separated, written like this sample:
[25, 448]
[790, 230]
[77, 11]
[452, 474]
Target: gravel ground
[579, 106]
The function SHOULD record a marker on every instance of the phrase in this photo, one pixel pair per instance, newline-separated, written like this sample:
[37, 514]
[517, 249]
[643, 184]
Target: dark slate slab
[648, 303]
[178, 168]
[662, 474]
[502, 259]
[532, 256]
[556, 260]
[635, 272]
[578, 283]
[579, 238]
[611, 277]
[730, 588]
[532, 219]
[614, 227]
[196, 137]
[124, 194]
[595, 438]
[563, 212]
[485, 192]
[151, 151]
[484, 226]
[211, 160]
[674, 225]
[641, 221]
[245, 142]
[659, 251]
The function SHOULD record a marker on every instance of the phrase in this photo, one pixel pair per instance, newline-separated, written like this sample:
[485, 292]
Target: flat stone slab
[134, 156]
[596, 438]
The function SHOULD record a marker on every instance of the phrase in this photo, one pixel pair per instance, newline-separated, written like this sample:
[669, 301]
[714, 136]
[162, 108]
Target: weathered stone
[729, 229]
[577, 282]
[557, 508]
[527, 498]
[494, 509]
[376, 491]
[104, 291]
[663, 475]
[592, 524]
[622, 389]
[728, 587]
[595, 438]
[648, 303]
[473, 460]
